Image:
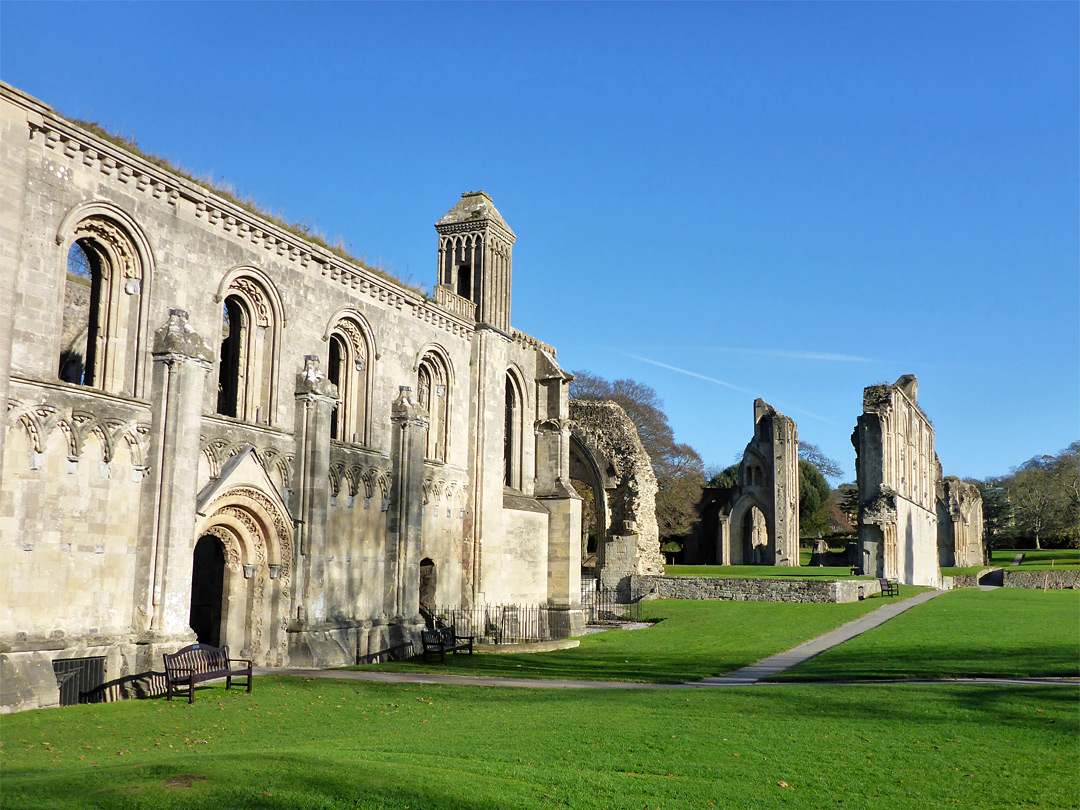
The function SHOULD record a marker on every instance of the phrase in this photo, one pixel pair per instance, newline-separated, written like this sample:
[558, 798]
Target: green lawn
[760, 571]
[691, 640]
[317, 744]
[1010, 632]
[1034, 560]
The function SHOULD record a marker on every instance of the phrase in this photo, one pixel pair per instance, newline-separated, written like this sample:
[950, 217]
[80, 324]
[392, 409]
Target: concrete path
[747, 676]
[767, 667]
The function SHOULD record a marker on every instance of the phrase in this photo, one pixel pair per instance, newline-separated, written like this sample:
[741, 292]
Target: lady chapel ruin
[219, 429]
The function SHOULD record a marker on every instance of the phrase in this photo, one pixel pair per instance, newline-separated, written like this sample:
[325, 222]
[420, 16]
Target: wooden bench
[443, 640]
[201, 662]
[889, 587]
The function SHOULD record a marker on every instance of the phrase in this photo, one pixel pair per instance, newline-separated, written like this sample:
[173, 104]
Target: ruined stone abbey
[218, 429]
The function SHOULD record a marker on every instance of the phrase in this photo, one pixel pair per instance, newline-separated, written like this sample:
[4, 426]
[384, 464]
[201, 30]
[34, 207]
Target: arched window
[433, 393]
[512, 416]
[103, 321]
[250, 336]
[349, 367]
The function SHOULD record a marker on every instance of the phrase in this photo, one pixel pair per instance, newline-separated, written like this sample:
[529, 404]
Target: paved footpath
[747, 676]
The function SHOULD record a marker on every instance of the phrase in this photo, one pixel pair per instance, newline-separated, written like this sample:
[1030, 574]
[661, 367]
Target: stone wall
[632, 539]
[327, 426]
[897, 472]
[756, 590]
[1056, 580]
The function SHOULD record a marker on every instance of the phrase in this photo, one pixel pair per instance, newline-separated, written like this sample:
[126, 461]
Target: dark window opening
[229, 362]
[508, 434]
[333, 373]
[464, 281]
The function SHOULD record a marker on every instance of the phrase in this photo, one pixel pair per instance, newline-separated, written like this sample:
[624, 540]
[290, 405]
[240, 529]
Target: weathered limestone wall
[756, 590]
[633, 546]
[960, 523]
[283, 447]
[897, 471]
[759, 519]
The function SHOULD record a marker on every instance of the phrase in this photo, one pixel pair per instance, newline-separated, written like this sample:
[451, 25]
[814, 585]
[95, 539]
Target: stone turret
[475, 246]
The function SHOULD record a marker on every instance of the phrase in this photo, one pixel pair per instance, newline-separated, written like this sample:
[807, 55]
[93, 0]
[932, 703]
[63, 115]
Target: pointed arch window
[102, 331]
[250, 338]
[349, 366]
[433, 393]
[512, 432]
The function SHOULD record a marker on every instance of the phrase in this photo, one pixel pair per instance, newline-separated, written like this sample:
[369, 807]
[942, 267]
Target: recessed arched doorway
[207, 590]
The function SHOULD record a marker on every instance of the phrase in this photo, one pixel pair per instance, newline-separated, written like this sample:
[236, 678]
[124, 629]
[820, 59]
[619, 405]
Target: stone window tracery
[247, 362]
[433, 394]
[349, 367]
[102, 330]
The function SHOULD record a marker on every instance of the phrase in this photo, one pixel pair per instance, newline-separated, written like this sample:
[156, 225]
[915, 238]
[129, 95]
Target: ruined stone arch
[434, 386]
[745, 539]
[605, 441]
[351, 355]
[109, 267]
[257, 537]
[249, 357]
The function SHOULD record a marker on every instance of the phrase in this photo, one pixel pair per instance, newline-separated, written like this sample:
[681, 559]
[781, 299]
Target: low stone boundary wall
[1051, 580]
[756, 590]
[1013, 578]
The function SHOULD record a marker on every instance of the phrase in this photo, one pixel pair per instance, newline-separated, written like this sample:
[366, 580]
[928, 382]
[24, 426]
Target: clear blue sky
[786, 200]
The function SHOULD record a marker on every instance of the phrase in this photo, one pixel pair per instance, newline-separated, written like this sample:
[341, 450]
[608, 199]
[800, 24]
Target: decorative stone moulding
[249, 571]
[275, 571]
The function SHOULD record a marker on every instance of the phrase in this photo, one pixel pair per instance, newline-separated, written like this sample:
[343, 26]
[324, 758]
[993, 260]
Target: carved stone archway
[257, 540]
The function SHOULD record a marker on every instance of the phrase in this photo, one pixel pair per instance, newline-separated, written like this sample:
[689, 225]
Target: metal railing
[508, 624]
[608, 605]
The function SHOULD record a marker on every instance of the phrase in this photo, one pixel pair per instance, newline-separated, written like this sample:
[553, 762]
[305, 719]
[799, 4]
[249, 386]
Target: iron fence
[508, 624]
[609, 605]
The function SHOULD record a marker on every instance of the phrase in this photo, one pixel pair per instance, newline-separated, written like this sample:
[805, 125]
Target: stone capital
[176, 340]
[313, 383]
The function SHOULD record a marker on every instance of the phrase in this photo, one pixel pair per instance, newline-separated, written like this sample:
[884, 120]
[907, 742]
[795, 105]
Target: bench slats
[198, 663]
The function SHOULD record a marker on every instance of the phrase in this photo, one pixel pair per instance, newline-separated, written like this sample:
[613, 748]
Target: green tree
[723, 478]
[680, 473]
[813, 501]
[997, 511]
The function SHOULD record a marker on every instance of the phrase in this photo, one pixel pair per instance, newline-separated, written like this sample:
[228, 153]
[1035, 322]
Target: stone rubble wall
[756, 590]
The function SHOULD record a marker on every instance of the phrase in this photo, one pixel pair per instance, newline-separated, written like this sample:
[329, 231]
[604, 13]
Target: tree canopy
[680, 474]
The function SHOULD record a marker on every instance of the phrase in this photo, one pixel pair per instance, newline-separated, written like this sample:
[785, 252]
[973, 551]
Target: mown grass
[297, 744]
[761, 571]
[690, 641]
[1046, 559]
[1009, 632]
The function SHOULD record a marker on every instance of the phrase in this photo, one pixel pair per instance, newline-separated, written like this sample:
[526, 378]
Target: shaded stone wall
[960, 523]
[756, 590]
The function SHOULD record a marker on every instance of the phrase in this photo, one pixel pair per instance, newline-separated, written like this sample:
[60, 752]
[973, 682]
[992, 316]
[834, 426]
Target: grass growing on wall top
[226, 192]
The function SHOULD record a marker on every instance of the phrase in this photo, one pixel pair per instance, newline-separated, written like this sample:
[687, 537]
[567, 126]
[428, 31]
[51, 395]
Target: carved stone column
[408, 435]
[315, 400]
[166, 538]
